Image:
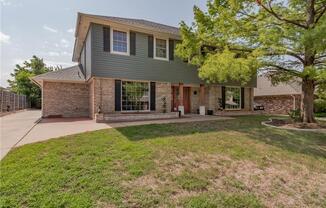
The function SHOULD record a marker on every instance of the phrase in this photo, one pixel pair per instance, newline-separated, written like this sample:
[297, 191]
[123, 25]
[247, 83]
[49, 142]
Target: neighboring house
[279, 99]
[128, 65]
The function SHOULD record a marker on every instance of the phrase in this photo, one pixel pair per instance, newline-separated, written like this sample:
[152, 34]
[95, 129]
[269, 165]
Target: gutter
[35, 82]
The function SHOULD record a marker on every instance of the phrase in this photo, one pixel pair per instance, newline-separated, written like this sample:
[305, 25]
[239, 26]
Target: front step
[114, 118]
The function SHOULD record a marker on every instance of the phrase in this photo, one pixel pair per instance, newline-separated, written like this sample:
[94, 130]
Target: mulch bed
[291, 124]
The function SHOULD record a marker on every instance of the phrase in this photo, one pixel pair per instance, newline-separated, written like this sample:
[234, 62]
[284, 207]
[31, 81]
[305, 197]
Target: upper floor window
[161, 49]
[120, 42]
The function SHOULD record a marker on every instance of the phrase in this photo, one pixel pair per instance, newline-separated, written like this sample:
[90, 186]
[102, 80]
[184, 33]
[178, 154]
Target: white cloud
[5, 2]
[64, 43]
[52, 53]
[50, 29]
[65, 53]
[10, 3]
[71, 30]
[54, 64]
[4, 38]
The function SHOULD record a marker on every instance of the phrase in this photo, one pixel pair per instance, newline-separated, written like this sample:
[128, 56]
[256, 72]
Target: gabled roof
[138, 25]
[265, 87]
[70, 74]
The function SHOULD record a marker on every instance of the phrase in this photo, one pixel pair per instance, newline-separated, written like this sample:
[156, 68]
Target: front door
[186, 99]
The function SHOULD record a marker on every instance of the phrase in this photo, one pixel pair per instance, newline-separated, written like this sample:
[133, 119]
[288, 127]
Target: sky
[46, 28]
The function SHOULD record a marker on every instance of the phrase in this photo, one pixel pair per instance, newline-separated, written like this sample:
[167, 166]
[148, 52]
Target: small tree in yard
[284, 39]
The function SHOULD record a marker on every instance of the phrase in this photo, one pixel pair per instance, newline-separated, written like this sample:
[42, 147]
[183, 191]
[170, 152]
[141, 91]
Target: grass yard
[234, 163]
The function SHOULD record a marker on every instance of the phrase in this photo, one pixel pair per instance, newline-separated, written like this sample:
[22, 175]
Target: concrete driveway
[14, 127]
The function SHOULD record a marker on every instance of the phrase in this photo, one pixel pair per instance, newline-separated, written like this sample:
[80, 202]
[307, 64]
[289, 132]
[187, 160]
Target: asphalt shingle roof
[73, 73]
[140, 23]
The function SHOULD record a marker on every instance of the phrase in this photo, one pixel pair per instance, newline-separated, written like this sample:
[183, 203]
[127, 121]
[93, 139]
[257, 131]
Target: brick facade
[278, 104]
[102, 92]
[62, 99]
[163, 90]
[194, 99]
[85, 100]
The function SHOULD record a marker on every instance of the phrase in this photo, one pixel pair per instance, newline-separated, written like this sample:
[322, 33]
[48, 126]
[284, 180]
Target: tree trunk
[307, 101]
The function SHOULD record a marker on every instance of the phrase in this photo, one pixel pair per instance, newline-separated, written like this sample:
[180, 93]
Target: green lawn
[234, 163]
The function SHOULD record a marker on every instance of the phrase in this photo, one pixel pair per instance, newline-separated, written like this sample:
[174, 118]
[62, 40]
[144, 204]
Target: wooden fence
[12, 102]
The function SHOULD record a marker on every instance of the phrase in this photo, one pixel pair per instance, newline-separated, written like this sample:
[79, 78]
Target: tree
[284, 39]
[21, 82]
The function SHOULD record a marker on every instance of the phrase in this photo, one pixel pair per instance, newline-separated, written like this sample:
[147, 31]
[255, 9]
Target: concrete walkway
[53, 128]
[26, 127]
[14, 127]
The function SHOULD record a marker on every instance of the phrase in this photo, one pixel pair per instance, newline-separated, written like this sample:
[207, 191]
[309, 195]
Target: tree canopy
[21, 82]
[234, 39]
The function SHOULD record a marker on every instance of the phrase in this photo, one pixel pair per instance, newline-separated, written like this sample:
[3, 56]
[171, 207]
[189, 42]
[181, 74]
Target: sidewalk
[58, 127]
[14, 127]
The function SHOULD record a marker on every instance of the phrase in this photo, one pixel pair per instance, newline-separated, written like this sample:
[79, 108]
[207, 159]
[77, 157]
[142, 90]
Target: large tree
[21, 82]
[284, 39]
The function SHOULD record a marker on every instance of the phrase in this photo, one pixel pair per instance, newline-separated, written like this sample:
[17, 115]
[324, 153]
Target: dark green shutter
[242, 98]
[223, 97]
[132, 43]
[117, 95]
[171, 50]
[153, 96]
[150, 46]
[106, 39]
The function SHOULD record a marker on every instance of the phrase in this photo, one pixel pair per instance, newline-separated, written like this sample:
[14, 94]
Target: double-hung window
[120, 42]
[233, 98]
[135, 96]
[161, 49]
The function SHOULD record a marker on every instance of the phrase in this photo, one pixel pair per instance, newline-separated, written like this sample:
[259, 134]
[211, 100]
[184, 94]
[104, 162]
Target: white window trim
[239, 108]
[167, 49]
[149, 98]
[128, 42]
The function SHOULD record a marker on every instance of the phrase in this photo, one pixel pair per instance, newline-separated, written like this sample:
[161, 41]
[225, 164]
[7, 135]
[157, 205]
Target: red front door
[175, 99]
[186, 99]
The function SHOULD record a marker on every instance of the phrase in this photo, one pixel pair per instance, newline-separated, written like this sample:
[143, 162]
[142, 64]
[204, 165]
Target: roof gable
[138, 25]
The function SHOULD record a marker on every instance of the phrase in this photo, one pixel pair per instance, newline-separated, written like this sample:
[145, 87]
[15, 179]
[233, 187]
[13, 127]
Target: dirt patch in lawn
[274, 185]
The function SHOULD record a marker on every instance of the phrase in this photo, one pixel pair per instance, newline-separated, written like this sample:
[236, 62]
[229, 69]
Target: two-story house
[129, 66]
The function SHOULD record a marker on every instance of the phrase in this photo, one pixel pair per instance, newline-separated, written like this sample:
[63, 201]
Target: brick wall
[280, 104]
[248, 98]
[102, 92]
[194, 99]
[163, 90]
[65, 99]
[101, 95]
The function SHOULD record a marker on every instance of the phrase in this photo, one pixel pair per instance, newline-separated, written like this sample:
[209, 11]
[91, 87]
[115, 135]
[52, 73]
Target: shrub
[320, 105]
[295, 115]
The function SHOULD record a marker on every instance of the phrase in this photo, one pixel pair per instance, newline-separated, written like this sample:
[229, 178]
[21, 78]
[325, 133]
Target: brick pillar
[202, 95]
[181, 106]
[180, 94]
[202, 110]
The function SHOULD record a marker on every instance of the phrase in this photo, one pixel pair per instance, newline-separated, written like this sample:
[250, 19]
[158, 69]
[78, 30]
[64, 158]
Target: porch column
[202, 109]
[180, 104]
